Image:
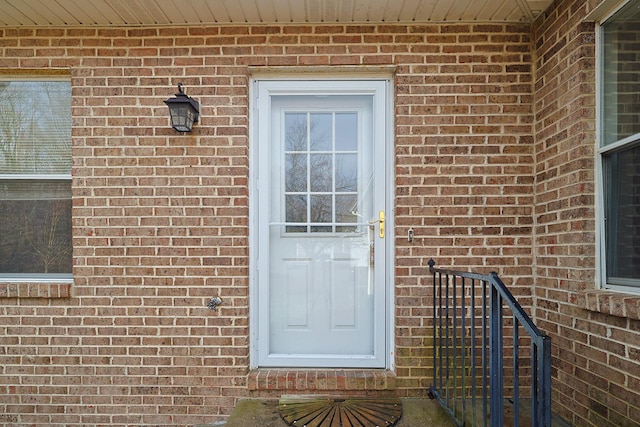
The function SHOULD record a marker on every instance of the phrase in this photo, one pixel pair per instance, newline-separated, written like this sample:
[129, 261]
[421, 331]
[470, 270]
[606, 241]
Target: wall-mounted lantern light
[183, 110]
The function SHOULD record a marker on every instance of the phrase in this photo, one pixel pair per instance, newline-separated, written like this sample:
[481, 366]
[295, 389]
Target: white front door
[321, 224]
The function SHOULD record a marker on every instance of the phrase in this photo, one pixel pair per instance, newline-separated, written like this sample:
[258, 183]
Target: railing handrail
[499, 298]
[495, 280]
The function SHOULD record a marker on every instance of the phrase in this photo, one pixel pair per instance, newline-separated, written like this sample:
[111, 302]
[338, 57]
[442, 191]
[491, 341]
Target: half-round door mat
[324, 411]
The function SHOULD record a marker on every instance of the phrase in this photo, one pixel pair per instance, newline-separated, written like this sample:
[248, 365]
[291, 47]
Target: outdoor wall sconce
[183, 110]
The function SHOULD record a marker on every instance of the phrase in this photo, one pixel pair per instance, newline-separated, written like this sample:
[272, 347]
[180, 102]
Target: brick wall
[594, 334]
[464, 172]
[160, 219]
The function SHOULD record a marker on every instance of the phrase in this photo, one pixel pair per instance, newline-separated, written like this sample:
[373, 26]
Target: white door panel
[321, 186]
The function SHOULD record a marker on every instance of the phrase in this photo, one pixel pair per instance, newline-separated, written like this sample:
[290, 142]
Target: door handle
[380, 222]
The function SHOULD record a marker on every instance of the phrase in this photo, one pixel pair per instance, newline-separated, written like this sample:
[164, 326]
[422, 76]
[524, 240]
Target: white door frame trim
[380, 75]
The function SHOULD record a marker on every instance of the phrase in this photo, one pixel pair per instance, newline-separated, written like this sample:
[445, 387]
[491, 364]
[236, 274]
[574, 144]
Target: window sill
[613, 303]
[35, 290]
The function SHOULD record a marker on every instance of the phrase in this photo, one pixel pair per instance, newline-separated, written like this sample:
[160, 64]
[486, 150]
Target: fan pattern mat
[324, 411]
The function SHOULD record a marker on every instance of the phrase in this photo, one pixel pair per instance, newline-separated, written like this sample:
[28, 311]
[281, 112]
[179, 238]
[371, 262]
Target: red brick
[468, 139]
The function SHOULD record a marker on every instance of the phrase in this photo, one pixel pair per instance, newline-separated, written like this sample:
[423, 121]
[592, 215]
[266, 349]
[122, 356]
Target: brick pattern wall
[160, 219]
[594, 334]
[464, 173]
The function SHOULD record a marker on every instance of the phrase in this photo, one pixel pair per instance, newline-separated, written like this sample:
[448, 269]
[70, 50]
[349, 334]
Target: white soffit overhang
[74, 13]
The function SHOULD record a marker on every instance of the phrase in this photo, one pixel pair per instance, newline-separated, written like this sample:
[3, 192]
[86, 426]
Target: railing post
[432, 263]
[544, 382]
[496, 358]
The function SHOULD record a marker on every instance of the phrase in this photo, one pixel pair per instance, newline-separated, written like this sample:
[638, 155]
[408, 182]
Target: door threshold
[312, 380]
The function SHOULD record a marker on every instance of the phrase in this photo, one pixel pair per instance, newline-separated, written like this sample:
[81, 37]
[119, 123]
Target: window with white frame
[35, 180]
[620, 147]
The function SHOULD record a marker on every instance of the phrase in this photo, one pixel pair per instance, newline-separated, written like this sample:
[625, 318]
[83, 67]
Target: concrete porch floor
[264, 413]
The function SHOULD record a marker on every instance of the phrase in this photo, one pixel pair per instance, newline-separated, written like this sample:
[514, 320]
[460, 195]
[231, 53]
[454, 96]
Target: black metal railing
[486, 371]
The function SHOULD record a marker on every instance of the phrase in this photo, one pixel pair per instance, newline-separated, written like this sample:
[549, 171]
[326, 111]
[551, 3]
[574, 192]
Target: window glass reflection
[295, 128]
[296, 212]
[321, 172]
[346, 172]
[346, 131]
[321, 131]
[295, 172]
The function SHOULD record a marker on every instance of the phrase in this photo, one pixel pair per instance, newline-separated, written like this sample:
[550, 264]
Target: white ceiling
[21, 13]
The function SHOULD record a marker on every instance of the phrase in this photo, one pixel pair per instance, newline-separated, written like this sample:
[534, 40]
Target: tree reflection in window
[321, 171]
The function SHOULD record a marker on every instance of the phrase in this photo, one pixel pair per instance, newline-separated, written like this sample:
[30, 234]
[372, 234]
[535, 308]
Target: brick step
[344, 381]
